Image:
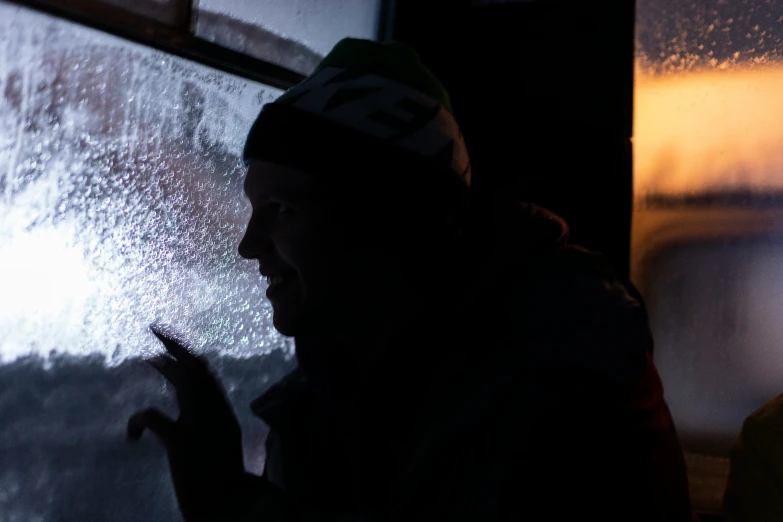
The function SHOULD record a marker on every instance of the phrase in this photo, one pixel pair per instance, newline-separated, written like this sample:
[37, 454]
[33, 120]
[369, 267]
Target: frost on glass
[707, 95]
[674, 36]
[708, 223]
[120, 205]
[294, 34]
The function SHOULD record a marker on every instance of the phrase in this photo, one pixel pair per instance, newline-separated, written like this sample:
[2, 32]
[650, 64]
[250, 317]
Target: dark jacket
[534, 398]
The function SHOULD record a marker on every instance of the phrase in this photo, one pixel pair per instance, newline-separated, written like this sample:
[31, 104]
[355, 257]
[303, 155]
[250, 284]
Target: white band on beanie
[358, 101]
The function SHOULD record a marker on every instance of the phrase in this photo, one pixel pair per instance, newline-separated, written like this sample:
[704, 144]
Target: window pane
[292, 34]
[708, 224]
[120, 205]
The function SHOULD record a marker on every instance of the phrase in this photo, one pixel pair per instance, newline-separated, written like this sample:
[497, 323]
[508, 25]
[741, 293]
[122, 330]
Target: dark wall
[544, 93]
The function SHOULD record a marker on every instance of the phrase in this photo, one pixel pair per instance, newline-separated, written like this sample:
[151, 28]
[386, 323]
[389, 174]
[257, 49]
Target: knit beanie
[366, 105]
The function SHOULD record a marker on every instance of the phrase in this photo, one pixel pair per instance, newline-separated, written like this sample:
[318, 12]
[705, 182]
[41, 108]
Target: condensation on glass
[120, 205]
[294, 34]
[708, 222]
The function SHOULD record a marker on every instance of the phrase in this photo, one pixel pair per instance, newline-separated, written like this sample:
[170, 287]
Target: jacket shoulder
[576, 313]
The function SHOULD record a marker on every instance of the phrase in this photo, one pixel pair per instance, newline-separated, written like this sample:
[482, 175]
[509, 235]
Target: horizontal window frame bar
[176, 40]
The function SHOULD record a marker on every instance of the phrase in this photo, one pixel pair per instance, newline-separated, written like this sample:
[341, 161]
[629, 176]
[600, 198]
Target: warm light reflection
[711, 274]
[706, 131]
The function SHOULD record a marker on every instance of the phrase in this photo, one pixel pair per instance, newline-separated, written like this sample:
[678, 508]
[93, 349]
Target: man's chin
[285, 327]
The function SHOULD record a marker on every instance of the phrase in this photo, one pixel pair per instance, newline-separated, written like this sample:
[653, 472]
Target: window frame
[179, 39]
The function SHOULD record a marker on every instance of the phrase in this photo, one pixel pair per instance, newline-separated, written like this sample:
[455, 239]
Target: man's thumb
[153, 419]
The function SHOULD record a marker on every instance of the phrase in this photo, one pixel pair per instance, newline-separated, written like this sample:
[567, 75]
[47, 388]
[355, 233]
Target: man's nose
[256, 241]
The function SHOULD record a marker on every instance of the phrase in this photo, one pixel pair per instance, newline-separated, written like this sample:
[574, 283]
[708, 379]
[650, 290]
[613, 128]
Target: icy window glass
[708, 223]
[120, 205]
[294, 34]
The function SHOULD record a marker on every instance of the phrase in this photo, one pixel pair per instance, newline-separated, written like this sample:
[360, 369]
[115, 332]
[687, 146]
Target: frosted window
[708, 223]
[721, 345]
[707, 94]
[294, 34]
[120, 205]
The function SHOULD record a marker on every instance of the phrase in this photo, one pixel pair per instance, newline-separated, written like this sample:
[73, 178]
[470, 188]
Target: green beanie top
[364, 98]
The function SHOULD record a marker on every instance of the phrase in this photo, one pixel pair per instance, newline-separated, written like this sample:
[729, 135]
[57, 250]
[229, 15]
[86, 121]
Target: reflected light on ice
[45, 279]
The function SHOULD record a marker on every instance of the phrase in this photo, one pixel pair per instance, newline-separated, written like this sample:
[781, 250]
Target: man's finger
[168, 368]
[153, 419]
[187, 384]
[176, 349]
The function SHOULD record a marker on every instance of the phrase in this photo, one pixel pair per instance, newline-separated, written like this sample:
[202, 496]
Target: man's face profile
[283, 237]
[321, 250]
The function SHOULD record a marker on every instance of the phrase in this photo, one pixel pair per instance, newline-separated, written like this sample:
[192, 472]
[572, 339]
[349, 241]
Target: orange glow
[709, 131]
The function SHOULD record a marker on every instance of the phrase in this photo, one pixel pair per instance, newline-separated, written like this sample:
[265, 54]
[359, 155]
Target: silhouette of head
[355, 177]
[335, 256]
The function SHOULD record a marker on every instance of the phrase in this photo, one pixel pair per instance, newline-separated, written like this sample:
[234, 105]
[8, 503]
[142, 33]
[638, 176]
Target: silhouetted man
[451, 364]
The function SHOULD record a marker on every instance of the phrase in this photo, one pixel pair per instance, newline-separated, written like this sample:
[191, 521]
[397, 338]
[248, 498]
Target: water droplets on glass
[117, 204]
